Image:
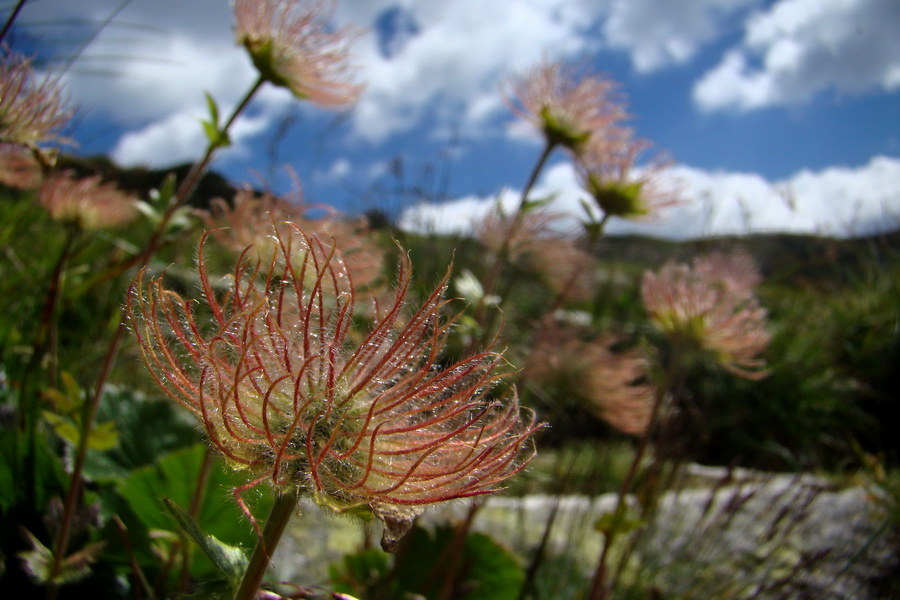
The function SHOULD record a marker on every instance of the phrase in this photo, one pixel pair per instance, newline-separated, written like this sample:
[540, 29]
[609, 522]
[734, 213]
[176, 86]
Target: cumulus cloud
[178, 138]
[838, 201]
[151, 60]
[798, 48]
[454, 58]
[660, 33]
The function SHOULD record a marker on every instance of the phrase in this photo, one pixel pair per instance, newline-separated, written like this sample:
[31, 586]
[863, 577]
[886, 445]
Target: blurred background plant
[776, 353]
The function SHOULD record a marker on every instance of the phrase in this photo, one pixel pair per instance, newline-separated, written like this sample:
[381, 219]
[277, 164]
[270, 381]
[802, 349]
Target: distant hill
[140, 180]
[789, 259]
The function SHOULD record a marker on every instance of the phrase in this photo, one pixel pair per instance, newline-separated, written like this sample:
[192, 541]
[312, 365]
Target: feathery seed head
[709, 307]
[287, 390]
[86, 203]
[568, 107]
[291, 46]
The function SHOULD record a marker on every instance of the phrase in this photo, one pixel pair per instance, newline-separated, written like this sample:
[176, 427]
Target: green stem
[183, 193]
[29, 406]
[284, 507]
[483, 317]
[209, 459]
[599, 589]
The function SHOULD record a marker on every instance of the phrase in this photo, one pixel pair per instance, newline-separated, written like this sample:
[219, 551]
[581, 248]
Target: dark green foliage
[434, 564]
[148, 429]
[175, 477]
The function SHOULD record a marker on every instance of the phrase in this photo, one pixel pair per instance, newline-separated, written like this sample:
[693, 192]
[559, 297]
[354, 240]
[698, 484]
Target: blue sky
[779, 115]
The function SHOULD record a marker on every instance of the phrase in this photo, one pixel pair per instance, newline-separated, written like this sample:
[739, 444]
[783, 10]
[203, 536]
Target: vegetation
[184, 361]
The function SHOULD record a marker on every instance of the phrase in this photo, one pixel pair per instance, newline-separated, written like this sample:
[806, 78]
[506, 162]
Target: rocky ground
[736, 534]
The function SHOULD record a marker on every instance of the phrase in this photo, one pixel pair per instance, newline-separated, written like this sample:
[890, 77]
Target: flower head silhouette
[285, 392]
[569, 108]
[86, 203]
[31, 112]
[709, 308]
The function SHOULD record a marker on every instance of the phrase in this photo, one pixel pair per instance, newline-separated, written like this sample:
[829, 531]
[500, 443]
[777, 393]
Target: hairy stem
[284, 507]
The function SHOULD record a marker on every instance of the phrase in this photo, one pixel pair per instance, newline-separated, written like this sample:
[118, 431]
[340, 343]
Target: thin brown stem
[12, 18]
[132, 559]
[599, 588]
[153, 244]
[484, 317]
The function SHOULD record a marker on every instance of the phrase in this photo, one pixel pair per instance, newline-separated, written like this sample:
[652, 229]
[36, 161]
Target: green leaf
[530, 205]
[484, 569]
[164, 196]
[216, 136]
[63, 427]
[49, 476]
[229, 560]
[211, 590]
[213, 109]
[103, 436]
[147, 429]
[589, 211]
[175, 476]
[362, 573]
[38, 562]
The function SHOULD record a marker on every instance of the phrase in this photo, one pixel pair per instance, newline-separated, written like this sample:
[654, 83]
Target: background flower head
[32, 113]
[86, 203]
[709, 307]
[609, 173]
[292, 46]
[611, 383]
[567, 106]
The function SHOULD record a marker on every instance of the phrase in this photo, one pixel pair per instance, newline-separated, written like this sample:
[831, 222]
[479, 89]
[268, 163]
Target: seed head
[288, 390]
[31, 113]
[611, 384]
[567, 106]
[536, 242]
[247, 222]
[710, 308]
[18, 167]
[86, 203]
[291, 46]
[608, 171]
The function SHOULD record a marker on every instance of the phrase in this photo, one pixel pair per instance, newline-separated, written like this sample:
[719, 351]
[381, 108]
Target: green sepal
[229, 560]
[616, 520]
[558, 131]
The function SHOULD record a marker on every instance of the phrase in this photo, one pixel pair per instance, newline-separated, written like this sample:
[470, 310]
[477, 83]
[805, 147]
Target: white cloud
[153, 59]
[453, 60]
[178, 138]
[837, 201]
[454, 217]
[660, 33]
[802, 47]
[174, 139]
[455, 65]
[337, 171]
